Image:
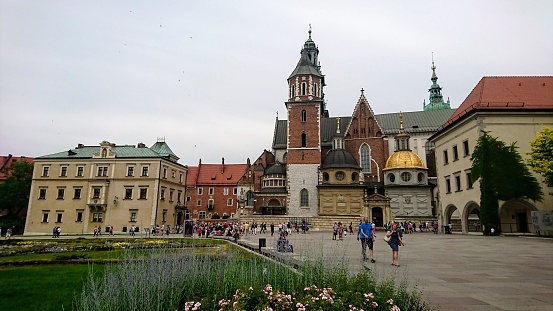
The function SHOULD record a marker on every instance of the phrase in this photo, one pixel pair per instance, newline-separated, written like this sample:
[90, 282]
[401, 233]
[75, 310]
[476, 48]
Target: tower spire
[436, 100]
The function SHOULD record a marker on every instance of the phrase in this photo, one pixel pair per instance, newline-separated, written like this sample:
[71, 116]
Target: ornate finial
[309, 30]
[338, 125]
[362, 90]
[401, 121]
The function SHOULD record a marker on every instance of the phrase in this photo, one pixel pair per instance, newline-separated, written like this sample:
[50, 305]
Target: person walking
[272, 229]
[395, 242]
[334, 230]
[366, 237]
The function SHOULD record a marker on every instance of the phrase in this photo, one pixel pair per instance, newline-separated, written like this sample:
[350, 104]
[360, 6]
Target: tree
[503, 176]
[541, 155]
[14, 192]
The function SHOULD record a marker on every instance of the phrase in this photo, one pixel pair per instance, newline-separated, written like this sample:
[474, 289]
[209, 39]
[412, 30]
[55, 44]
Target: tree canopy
[541, 155]
[14, 192]
[503, 176]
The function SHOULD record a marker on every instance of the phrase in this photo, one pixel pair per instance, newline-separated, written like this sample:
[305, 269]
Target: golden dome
[404, 159]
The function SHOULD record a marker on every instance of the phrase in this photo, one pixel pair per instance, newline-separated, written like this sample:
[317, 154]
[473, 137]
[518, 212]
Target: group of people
[367, 236]
[339, 230]
[56, 231]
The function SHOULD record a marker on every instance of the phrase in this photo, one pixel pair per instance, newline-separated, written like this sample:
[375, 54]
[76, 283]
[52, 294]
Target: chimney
[141, 145]
[222, 165]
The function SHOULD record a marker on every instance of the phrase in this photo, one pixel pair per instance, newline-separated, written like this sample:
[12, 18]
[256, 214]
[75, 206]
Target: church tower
[305, 108]
[436, 100]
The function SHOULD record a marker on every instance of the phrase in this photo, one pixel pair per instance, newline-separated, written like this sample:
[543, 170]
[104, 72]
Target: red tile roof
[215, 174]
[493, 93]
[6, 161]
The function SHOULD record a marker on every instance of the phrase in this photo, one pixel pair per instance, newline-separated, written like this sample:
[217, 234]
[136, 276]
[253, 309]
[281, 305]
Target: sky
[210, 77]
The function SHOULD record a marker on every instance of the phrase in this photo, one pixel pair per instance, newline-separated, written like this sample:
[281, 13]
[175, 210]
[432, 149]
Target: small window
[303, 116]
[179, 196]
[97, 217]
[210, 204]
[44, 217]
[303, 140]
[339, 176]
[162, 196]
[469, 180]
[79, 216]
[457, 183]
[133, 216]
[200, 191]
[229, 202]
[199, 203]
[164, 215]
[164, 172]
[80, 171]
[326, 177]
[420, 177]
[144, 171]
[180, 177]
[405, 176]
[96, 193]
[211, 191]
[77, 193]
[225, 191]
[235, 191]
[171, 194]
[446, 159]
[42, 194]
[103, 171]
[61, 194]
[466, 151]
[128, 193]
[447, 185]
[173, 172]
[45, 171]
[63, 172]
[392, 178]
[315, 90]
[130, 171]
[201, 215]
[59, 218]
[455, 153]
[143, 193]
[304, 197]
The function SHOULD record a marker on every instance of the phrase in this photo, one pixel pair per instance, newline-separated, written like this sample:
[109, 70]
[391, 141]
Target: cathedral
[324, 168]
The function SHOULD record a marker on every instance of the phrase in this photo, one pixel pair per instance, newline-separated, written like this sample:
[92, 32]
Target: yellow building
[119, 186]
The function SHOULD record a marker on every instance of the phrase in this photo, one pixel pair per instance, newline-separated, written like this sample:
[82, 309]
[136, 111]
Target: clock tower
[306, 108]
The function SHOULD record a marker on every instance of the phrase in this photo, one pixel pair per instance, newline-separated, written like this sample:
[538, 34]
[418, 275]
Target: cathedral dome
[339, 158]
[404, 159]
[277, 168]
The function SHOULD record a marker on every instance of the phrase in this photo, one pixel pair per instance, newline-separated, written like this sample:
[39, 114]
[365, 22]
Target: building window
[211, 191]
[103, 171]
[225, 191]
[96, 192]
[130, 171]
[144, 171]
[180, 177]
[405, 176]
[229, 202]
[164, 215]
[97, 217]
[446, 159]
[45, 171]
[304, 197]
[455, 153]
[59, 218]
[469, 180]
[429, 147]
[173, 172]
[457, 183]
[315, 90]
[210, 204]
[162, 196]
[392, 178]
[466, 148]
[447, 185]
[165, 172]
[199, 203]
[44, 217]
[80, 171]
[61, 194]
[366, 159]
[143, 193]
[79, 216]
[235, 191]
[188, 199]
[201, 215]
[303, 115]
[42, 194]
[128, 193]
[133, 216]
[200, 191]
[303, 140]
[179, 196]
[303, 88]
[77, 193]
[171, 194]
[63, 172]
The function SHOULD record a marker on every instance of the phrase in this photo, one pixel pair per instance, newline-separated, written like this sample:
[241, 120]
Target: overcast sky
[210, 76]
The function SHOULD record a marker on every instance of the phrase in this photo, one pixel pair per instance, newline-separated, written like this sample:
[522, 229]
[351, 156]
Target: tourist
[366, 237]
[58, 232]
[283, 245]
[340, 231]
[334, 230]
[54, 231]
[395, 242]
[272, 229]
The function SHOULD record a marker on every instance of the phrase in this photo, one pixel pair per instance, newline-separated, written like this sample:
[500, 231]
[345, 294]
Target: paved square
[455, 272]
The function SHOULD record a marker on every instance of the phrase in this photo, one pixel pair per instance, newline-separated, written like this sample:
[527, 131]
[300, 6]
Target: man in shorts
[366, 237]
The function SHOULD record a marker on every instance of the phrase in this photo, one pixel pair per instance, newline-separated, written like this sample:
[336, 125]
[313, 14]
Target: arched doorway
[515, 216]
[452, 216]
[471, 218]
[377, 217]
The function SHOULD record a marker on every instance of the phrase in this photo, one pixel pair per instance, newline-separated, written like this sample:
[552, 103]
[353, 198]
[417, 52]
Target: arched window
[303, 88]
[303, 140]
[365, 159]
[303, 115]
[304, 197]
[284, 157]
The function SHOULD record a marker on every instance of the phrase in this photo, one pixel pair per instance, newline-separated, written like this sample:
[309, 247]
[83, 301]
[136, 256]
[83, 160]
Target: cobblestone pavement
[453, 271]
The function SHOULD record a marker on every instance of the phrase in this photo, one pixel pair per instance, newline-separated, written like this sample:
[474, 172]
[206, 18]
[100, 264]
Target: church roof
[305, 67]
[404, 159]
[339, 158]
[123, 151]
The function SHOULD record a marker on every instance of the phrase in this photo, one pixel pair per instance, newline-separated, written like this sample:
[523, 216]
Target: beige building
[104, 186]
[513, 109]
